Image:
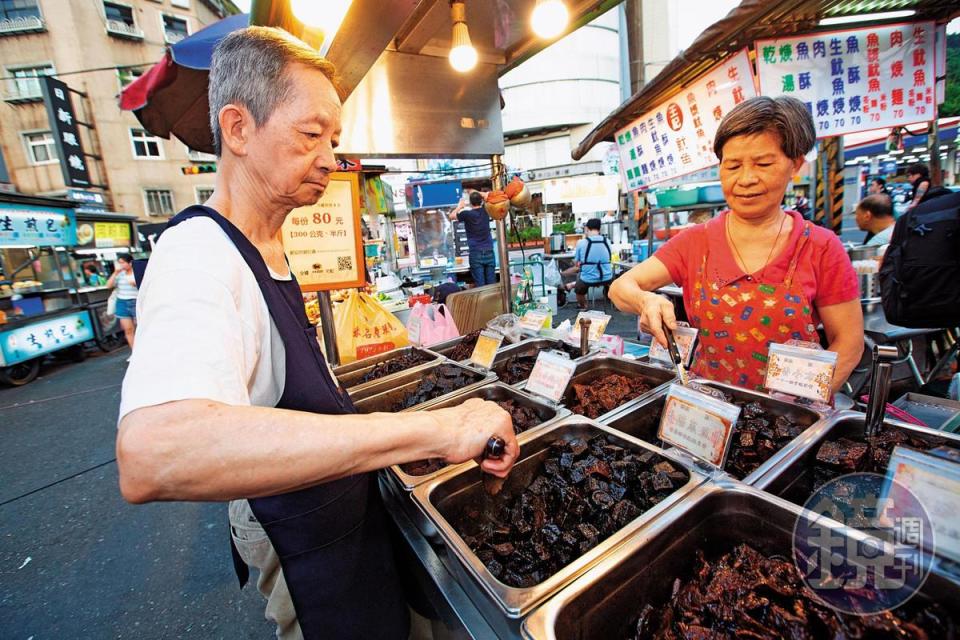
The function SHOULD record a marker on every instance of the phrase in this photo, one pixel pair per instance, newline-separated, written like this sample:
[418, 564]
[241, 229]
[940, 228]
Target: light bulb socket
[458, 11]
[461, 35]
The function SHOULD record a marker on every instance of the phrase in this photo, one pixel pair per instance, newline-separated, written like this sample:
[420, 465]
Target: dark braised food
[524, 418]
[582, 493]
[394, 365]
[605, 394]
[517, 368]
[757, 435]
[464, 348]
[442, 380]
[745, 594]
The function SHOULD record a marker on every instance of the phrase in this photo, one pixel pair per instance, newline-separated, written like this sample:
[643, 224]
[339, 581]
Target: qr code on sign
[345, 263]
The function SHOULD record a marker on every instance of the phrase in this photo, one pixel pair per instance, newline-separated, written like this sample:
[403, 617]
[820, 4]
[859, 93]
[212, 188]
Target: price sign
[550, 376]
[324, 242]
[413, 330]
[534, 320]
[488, 342]
[935, 481]
[598, 325]
[801, 371]
[685, 337]
[698, 424]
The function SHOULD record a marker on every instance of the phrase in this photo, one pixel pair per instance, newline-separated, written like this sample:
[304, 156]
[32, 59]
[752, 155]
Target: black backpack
[920, 274]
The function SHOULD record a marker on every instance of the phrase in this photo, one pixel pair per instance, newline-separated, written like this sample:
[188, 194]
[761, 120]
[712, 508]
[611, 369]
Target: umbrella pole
[498, 180]
[328, 327]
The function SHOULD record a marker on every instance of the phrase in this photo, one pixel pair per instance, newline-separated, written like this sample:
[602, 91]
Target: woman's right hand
[655, 312]
[466, 429]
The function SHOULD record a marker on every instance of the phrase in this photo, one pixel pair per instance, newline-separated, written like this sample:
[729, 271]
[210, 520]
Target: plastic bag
[112, 303]
[507, 325]
[551, 274]
[427, 325]
[365, 328]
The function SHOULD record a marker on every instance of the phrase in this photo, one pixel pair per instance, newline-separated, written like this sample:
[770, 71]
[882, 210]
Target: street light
[463, 57]
[549, 18]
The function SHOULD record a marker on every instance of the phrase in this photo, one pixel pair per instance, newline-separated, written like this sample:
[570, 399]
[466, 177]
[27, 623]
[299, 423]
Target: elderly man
[229, 397]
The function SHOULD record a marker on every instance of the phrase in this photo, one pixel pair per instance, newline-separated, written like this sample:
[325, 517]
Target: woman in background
[122, 278]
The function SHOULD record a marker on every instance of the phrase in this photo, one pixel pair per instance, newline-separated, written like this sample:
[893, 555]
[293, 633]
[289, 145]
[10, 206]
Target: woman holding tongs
[756, 274]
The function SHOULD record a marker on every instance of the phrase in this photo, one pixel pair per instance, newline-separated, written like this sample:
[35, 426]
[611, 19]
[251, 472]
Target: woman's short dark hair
[785, 117]
[881, 182]
[879, 205]
[476, 198]
[920, 168]
[126, 257]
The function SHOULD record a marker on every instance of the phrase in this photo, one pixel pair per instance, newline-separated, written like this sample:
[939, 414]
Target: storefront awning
[750, 21]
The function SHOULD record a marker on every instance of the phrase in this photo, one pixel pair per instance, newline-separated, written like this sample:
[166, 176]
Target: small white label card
[550, 376]
[803, 372]
[598, 325]
[935, 482]
[413, 330]
[488, 342]
[700, 425]
[534, 320]
[686, 337]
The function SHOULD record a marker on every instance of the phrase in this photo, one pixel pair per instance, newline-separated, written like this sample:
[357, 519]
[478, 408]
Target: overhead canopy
[751, 20]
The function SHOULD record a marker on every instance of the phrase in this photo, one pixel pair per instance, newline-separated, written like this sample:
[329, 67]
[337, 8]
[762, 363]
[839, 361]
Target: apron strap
[801, 243]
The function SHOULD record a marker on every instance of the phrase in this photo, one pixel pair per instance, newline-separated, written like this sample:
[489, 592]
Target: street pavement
[78, 562]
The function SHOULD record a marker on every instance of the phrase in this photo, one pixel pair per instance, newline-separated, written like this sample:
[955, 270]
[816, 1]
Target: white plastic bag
[551, 274]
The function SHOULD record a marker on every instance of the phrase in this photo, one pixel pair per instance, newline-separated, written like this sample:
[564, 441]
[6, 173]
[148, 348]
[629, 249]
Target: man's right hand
[466, 429]
[657, 311]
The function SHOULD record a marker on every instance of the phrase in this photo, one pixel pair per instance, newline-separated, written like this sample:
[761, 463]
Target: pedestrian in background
[122, 279]
[919, 176]
[476, 221]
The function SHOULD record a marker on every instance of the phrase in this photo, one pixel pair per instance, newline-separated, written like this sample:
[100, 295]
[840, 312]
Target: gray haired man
[228, 396]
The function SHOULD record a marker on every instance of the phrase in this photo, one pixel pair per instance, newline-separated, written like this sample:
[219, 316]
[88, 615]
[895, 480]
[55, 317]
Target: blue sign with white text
[44, 336]
[30, 226]
[427, 195]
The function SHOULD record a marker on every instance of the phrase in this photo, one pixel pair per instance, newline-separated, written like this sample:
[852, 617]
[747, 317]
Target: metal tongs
[676, 356]
[496, 447]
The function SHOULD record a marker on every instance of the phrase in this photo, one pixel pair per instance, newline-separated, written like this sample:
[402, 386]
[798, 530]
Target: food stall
[39, 309]
[607, 516]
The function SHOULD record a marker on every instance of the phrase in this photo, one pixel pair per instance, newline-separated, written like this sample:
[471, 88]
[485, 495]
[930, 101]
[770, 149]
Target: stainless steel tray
[383, 395]
[643, 420]
[349, 375]
[444, 348]
[496, 391]
[531, 346]
[592, 367]
[936, 413]
[445, 496]
[792, 479]
[603, 603]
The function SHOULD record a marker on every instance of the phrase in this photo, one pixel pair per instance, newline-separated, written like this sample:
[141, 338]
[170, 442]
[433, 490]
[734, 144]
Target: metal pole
[327, 326]
[498, 180]
[933, 145]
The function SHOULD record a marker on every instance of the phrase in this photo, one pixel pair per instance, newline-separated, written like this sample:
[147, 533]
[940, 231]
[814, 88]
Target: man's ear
[236, 126]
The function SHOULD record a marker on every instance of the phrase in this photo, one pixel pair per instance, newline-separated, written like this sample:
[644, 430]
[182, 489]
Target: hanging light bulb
[463, 57]
[325, 16]
[549, 18]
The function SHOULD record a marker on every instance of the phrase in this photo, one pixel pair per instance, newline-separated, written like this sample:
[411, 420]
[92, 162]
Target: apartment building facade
[97, 47]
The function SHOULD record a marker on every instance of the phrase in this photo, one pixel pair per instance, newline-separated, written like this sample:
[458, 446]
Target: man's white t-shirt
[204, 331]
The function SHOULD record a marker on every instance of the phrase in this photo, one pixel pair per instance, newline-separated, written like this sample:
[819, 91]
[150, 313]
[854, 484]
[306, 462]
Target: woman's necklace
[776, 240]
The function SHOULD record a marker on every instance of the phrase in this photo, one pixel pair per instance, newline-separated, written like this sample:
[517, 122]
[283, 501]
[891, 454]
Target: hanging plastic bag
[431, 323]
[551, 274]
[365, 328]
[112, 303]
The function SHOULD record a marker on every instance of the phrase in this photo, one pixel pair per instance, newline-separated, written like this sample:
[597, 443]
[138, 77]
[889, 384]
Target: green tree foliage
[951, 106]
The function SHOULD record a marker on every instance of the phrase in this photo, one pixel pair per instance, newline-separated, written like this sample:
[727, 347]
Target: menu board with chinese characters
[855, 80]
[323, 241]
[676, 138]
[34, 226]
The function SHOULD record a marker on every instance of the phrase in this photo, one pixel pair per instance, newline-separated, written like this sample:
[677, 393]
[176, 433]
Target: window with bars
[174, 29]
[119, 13]
[203, 194]
[145, 145]
[14, 9]
[159, 202]
[24, 83]
[41, 147]
[128, 75]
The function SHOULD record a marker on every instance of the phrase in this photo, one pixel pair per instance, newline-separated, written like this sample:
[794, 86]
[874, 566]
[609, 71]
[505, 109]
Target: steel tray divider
[387, 387]
[515, 602]
[355, 370]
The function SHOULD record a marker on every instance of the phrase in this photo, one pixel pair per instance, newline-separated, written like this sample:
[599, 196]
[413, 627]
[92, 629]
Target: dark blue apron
[333, 539]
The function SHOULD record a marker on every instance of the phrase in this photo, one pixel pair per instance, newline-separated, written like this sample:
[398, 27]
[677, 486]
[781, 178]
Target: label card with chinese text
[534, 320]
[413, 330]
[550, 376]
[856, 79]
[800, 371]
[598, 325]
[676, 137]
[488, 342]
[685, 337]
[700, 425]
[935, 481]
[324, 242]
